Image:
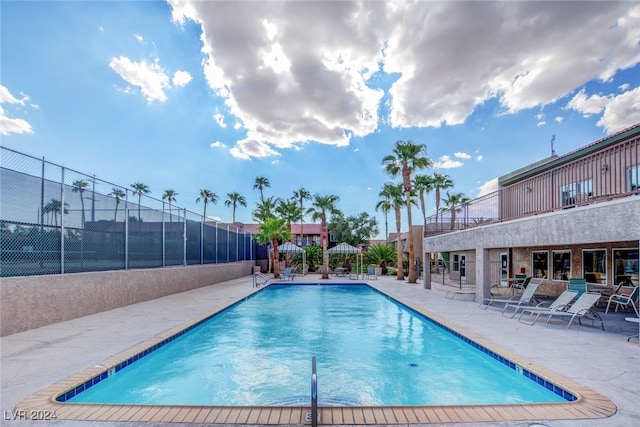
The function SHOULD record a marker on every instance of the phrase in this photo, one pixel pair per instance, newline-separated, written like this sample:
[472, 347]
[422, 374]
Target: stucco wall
[613, 221]
[33, 301]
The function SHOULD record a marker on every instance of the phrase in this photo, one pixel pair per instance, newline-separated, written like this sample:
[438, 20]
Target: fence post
[126, 237]
[164, 239]
[62, 222]
[184, 238]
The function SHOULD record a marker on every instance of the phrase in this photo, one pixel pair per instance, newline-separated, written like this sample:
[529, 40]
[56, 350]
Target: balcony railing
[592, 175]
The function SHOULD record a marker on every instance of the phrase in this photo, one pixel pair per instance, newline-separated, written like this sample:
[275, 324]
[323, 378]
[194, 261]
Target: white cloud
[218, 144]
[138, 37]
[479, 157]
[587, 105]
[247, 148]
[294, 72]
[618, 111]
[542, 123]
[462, 156]
[558, 119]
[219, 118]
[8, 124]
[181, 78]
[488, 187]
[150, 78]
[446, 162]
[621, 112]
[624, 87]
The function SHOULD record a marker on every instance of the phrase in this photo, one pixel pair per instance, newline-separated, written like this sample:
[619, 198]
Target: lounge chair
[581, 308]
[287, 274]
[371, 273]
[577, 284]
[559, 304]
[524, 299]
[625, 296]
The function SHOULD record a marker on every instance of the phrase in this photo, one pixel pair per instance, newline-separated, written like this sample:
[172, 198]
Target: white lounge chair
[559, 304]
[516, 301]
[581, 308]
[371, 273]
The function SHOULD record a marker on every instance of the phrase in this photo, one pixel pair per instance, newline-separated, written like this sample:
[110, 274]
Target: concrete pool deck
[602, 361]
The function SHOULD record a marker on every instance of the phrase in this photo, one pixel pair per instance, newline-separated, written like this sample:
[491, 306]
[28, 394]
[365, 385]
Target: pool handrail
[314, 393]
[259, 279]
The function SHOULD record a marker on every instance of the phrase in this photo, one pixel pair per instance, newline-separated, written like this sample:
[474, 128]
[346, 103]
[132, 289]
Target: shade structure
[345, 248]
[288, 247]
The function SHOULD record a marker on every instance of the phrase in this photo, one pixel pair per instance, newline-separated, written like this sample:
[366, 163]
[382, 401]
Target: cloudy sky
[193, 95]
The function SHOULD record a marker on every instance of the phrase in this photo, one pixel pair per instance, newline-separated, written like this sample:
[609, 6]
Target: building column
[483, 274]
[426, 270]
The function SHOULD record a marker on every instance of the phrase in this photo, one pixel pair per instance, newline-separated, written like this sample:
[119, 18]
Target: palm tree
[423, 184]
[140, 189]
[321, 206]
[381, 255]
[301, 194]
[170, 196]
[119, 195]
[260, 183]
[289, 211]
[79, 186]
[453, 201]
[207, 196]
[265, 209]
[406, 157]
[54, 207]
[396, 200]
[234, 199]
[385, 205]
[440, 182]
[270, 231]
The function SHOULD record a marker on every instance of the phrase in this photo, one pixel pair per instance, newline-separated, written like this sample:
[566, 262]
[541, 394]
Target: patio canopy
[288, 247]
[345, 248]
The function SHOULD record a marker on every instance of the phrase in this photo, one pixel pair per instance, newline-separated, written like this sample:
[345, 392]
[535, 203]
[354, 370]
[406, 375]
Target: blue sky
[209, 95]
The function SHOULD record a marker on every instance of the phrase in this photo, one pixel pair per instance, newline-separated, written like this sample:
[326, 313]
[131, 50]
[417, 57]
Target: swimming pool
[47, 403]
[371, 351]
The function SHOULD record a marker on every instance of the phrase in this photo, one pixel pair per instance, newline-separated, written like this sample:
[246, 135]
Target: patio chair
[524, 299]
[287, 274]
[577, 284]
[522, 281]
[371, 273]
[581, 308]
[626, 296]
[559, 304]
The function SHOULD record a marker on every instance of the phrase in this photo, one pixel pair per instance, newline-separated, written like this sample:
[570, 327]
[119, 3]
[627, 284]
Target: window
[561, 265]
[632, 178]
[625, 265]
[540, 264]
[456, 263]
[594, 265]
[576, 192]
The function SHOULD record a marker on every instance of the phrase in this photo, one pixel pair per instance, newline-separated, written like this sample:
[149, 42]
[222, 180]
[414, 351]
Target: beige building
[568, 216]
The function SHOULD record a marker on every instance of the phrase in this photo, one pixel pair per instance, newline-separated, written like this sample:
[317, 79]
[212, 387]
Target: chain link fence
[56, 220]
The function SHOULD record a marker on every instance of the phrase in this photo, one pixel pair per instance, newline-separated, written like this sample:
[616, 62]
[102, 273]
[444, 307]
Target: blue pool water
[370, 350]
